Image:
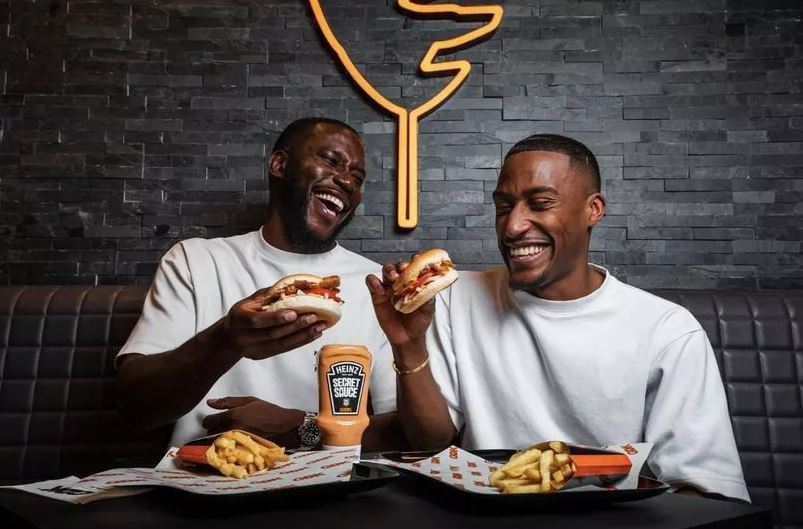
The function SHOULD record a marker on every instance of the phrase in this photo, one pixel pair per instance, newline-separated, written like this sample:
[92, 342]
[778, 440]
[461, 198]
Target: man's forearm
[422, 410]
[384, 432]
[159, 388]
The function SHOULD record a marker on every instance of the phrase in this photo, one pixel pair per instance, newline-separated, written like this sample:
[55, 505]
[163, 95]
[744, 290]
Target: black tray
[647, 487]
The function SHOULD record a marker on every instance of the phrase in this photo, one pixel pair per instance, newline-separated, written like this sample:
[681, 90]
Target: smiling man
[550, 347]
[205, 355]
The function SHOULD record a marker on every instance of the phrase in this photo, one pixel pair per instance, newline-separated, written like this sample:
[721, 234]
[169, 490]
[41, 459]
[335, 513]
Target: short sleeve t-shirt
[618, 365]
[199, 280]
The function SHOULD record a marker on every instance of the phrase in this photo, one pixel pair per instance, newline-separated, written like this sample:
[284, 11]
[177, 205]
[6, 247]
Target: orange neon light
[407, 210]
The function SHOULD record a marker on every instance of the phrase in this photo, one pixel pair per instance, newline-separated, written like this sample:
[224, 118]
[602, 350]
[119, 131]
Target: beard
[293, 209]
[530, 285]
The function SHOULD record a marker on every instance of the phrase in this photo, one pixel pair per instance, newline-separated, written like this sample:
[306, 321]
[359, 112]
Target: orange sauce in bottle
[344, 377]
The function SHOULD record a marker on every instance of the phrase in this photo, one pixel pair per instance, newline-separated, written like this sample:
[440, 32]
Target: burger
[426, 275]
[307, 294]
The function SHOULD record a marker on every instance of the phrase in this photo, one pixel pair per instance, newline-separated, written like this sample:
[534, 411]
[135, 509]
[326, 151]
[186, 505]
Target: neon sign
[407, 161]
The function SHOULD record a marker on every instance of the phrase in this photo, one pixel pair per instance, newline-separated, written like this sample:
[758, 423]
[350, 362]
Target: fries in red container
[234, 453]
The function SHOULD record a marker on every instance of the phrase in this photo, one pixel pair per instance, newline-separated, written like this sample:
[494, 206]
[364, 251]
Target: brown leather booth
[57, 390]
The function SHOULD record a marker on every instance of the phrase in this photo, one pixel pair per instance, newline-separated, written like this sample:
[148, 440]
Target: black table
[405, 503]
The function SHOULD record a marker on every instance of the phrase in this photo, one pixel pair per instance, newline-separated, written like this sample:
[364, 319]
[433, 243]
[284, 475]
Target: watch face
[308, 432]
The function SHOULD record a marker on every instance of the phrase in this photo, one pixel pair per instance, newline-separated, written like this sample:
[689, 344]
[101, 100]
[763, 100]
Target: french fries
[239, 454]
[544, 467]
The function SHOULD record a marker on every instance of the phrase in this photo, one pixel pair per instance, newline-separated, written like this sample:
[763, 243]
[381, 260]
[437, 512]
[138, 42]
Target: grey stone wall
[128, 125]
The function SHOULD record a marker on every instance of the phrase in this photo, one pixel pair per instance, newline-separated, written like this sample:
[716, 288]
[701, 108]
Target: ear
[277, 163]
[595, 208]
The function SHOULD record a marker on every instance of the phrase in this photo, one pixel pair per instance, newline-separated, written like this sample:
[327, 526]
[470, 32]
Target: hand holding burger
[307, 294]
[402, 300]
[293, 312]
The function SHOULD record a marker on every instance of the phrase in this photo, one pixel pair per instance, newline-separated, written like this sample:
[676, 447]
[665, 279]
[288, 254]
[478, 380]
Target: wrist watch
[309, 436]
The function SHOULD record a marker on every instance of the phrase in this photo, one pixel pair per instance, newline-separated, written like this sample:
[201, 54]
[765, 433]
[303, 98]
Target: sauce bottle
[344, 376]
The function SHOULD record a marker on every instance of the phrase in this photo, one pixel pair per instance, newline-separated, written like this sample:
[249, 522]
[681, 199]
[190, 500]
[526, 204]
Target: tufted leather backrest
[57, 402]
[758, 340]
[57, 398]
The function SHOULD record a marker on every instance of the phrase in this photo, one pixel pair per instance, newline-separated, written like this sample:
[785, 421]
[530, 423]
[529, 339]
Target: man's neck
[577, 284]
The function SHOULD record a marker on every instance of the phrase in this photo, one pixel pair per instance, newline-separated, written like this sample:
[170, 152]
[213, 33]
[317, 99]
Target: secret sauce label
[345, 382]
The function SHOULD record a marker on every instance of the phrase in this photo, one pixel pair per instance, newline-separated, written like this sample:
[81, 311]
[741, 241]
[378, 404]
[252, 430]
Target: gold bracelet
[411, 371]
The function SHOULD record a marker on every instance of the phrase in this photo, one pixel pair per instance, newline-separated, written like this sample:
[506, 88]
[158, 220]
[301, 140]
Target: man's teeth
[528, 250]
[331, 199]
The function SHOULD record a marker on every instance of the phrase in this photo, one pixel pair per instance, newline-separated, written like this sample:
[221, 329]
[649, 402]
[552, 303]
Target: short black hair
[300, 126]
[579, 154]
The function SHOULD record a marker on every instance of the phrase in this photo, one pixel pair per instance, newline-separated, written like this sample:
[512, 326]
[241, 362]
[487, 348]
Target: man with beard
[550, 347]
[204, 354]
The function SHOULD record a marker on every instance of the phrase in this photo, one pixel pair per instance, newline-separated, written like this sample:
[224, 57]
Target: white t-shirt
[199, 280]
[619, 365]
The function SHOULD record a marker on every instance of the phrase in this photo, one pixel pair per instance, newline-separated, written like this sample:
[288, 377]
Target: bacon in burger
[427, 274]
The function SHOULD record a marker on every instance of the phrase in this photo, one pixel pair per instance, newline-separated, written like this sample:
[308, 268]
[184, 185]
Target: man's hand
[406, 332]
[254, 415]
[257, 334]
